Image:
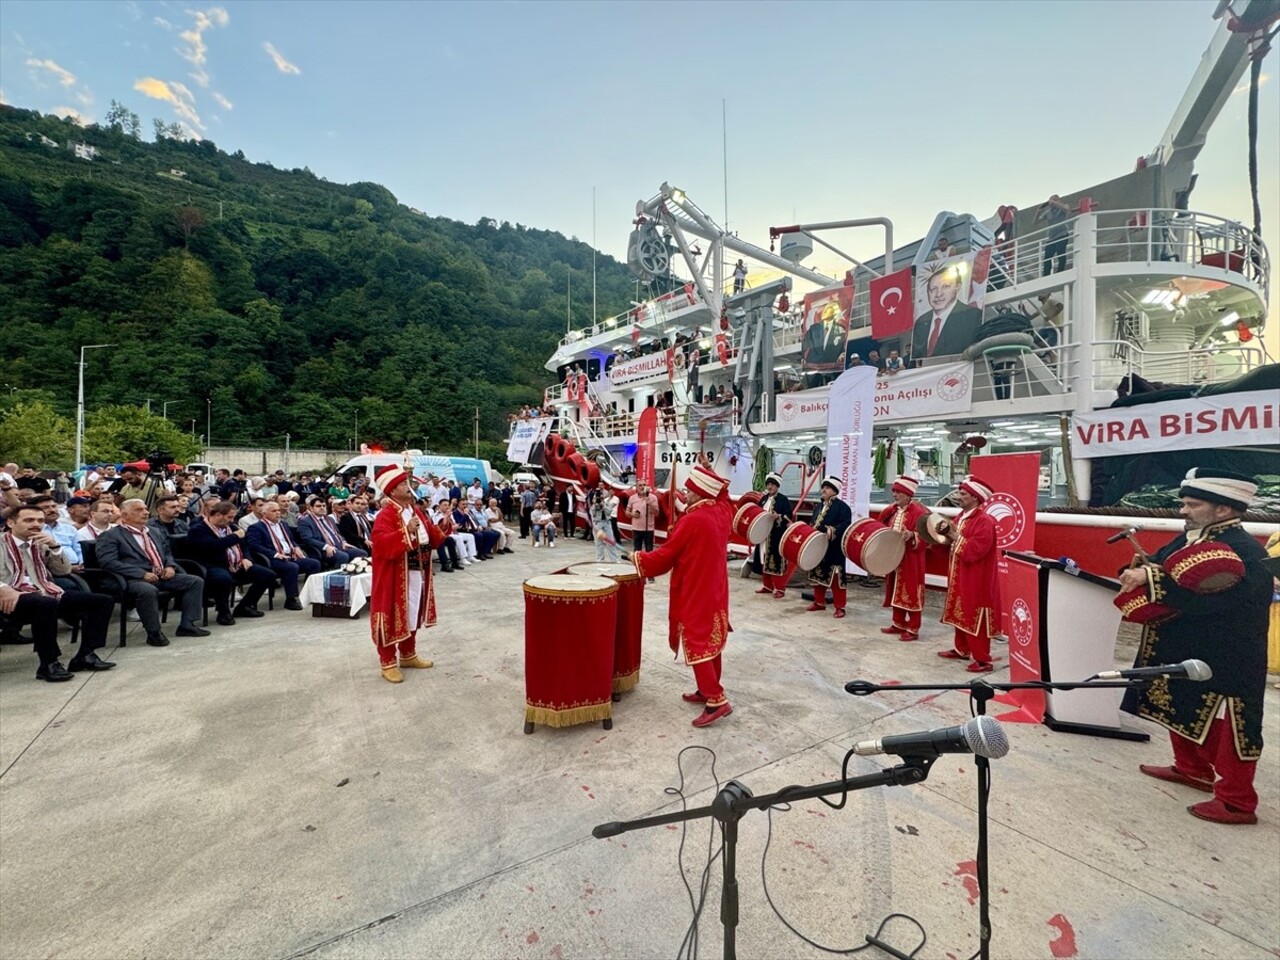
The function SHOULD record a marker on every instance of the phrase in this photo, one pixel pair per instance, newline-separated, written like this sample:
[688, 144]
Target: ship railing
[1183, 236]
[1113, 360]
[657, 312]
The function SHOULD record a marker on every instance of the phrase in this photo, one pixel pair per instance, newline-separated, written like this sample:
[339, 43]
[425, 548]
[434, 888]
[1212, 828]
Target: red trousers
[707, 674]
[776, 581]
[908, 620]
[838, 596]
[976, 645]
[1234, 786]
[404, 650]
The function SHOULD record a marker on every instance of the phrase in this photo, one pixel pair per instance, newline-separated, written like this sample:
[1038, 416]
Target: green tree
[35, 433]
[118, 433]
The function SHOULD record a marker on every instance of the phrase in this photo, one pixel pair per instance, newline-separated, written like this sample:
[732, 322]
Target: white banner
[526, 434]
[641, 368]
[1225, 420]
[850, 423]
[937, 391]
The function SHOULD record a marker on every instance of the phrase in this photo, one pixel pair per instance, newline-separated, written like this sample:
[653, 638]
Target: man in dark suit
[949, 327]
[355, 524]
[215, 541]
[147, 565]
[319, 535]
[272, 539]
[824, 341]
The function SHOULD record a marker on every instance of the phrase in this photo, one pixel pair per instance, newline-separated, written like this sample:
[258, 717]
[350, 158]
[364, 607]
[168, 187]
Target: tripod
[982, 692]
[735, 799]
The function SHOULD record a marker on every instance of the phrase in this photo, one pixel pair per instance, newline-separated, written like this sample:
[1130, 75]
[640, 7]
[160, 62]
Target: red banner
[671, 364]
[646, 445]
[891, 300]
[1015, 478]
[722, 349]
[584, 398]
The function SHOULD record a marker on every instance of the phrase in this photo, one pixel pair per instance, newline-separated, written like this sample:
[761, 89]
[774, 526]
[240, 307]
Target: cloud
[194, 50]
[70, 113]
[162, 23]
[283, 65]
[222, 101]
[64, 76]
[175, 94]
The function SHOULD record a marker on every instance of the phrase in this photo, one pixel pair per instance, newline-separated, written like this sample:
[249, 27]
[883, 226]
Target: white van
[461, 469]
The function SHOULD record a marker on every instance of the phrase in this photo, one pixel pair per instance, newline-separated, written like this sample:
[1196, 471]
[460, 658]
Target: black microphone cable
[689, 945]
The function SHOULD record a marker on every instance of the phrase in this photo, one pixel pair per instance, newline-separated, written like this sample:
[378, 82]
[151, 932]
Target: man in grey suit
[147, 564]
[949, 327]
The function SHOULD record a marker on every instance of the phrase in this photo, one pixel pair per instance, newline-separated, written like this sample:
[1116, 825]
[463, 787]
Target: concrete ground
[264, 793]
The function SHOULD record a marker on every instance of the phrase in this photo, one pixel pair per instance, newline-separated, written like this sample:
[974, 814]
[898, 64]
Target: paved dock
[264, 793]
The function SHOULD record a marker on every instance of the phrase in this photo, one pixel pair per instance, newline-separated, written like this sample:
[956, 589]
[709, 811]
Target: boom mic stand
[735, 799]
[981, 693]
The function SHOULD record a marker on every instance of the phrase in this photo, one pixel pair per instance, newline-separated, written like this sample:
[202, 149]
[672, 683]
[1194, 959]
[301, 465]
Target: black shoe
[445, 568]
[191, 632]
[226, 620]
[507, 550]
[484, 557]
[53, 672]
[294, 604]
[90, 661]
[157, 640]
[251, 612]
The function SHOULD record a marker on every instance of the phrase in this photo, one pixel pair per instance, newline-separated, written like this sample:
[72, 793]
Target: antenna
[594, 314]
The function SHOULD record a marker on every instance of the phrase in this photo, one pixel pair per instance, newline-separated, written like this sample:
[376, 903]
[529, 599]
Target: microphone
[983, 736]
[611, 829]
[1186, 670]
[1123, 534]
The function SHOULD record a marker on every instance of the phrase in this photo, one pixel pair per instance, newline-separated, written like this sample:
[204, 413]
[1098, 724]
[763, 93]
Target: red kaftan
[904, 587]
[389, 602]
[973, 591]
[695, 554]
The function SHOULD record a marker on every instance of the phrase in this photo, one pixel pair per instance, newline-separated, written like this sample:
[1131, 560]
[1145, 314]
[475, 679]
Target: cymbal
[934, 528]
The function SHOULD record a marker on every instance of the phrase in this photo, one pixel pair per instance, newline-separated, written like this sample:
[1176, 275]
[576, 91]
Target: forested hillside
[288, 300]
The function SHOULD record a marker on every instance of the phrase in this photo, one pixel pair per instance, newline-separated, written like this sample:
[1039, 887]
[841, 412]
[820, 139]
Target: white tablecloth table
[361, 585]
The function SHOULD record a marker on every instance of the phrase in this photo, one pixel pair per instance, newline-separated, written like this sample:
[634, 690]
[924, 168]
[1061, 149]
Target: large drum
[873, 546]
[569, 626]
[751, 523]
[630, 625]
[803, 546]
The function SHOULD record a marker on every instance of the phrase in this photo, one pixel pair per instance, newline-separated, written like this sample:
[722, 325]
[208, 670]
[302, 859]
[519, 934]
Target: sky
[520, 111]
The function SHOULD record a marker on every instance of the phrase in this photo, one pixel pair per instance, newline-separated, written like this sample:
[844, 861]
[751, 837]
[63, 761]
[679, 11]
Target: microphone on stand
[1123, 534]
[1186, 670]
[982, 736]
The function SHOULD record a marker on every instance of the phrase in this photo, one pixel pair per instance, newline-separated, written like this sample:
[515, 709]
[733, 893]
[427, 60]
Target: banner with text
[641, 368]
[1015, 478]
[908, 395]
[851, 420]
[526, 435]
[1224, 420]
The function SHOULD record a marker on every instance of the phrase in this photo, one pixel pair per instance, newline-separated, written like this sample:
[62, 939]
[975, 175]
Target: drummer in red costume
[695, 552]
[904, 588]
[402, 598]
[973, 593]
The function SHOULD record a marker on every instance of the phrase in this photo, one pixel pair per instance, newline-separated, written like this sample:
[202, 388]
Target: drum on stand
[569, 627]
[630, 624]
[873, 547]
[803, 546]
[752, 523]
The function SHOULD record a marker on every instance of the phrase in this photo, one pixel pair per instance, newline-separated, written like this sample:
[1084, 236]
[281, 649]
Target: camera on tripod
[158, 462]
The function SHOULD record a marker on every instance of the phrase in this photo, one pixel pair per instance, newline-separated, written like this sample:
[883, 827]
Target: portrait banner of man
[825, 328]
[947, 322]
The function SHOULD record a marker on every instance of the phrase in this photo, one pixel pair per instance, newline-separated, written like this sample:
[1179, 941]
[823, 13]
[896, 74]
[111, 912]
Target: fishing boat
[1117, 332]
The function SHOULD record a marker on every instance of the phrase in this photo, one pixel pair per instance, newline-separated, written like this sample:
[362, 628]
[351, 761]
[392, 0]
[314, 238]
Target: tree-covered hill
[288, 300]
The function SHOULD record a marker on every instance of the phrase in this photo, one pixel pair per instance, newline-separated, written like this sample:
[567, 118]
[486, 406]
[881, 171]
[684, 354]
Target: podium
[1076, 624]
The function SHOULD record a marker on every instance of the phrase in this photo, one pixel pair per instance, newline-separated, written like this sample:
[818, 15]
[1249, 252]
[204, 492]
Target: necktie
[149, 548]
[933, 336]
[26, 576]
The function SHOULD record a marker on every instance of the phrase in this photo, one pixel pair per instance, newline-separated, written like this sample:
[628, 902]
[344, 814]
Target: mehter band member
[773, 564]
[904, 587]
[402, 597]
[832, 518]
[1215, 727]
[973, 593]
[695, 552]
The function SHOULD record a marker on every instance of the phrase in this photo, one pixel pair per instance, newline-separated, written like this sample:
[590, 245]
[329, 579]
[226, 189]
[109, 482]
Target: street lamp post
[165, 408]
[355, 443]
[80, 403]
[208, 426]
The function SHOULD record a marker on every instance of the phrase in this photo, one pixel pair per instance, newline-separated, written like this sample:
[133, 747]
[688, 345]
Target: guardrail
[1202, 366]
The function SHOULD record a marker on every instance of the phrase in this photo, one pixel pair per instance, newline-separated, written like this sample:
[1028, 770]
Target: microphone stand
[981, 692]
[735, 799]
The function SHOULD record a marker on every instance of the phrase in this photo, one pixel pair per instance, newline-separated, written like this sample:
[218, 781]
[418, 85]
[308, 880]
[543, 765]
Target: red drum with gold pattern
[630, 626]
[751, 523]
[569, 627]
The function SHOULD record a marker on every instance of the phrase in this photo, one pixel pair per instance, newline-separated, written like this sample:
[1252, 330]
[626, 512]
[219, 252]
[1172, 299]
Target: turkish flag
[978, 279]
[891, 301]
[584, 398]
[722, 349]
[671, 364]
